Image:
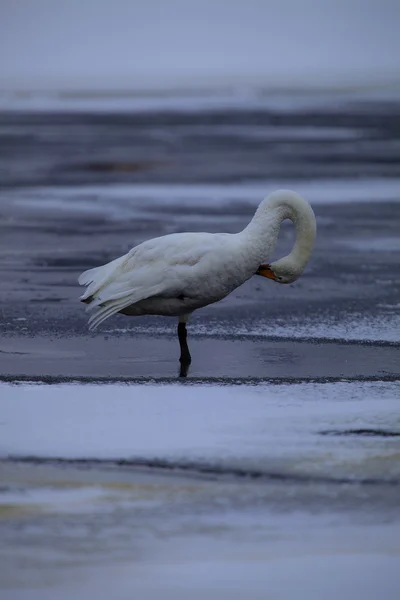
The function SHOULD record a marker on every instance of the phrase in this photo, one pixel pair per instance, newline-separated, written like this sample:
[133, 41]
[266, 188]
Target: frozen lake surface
[201, 490]
[273, 471]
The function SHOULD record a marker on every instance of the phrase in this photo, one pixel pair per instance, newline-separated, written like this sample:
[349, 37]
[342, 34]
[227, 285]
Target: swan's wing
[153, 255]
[163, 266]
[93, 279]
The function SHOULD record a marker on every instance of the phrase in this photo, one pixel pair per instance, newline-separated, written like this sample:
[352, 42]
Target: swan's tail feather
[112, 287]
[111, 293]
[96, 278]
[87, 277]
[106, 307]
[107, 310]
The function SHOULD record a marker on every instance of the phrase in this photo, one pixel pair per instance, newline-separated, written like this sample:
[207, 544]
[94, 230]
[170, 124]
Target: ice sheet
[326, 526]
[262, 429]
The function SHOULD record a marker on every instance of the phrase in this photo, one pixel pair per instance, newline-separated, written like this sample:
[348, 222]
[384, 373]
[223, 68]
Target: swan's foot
[185, 358]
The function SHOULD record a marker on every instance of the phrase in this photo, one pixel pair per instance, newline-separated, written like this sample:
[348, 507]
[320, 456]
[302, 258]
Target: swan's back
[153, 258]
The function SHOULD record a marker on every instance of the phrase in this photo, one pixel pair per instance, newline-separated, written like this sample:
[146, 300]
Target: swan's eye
[280, 278]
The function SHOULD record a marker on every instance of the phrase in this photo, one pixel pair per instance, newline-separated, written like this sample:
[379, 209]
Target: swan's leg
[185, 358]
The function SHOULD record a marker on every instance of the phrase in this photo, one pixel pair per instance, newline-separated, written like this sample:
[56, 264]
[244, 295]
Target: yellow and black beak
[266, 271]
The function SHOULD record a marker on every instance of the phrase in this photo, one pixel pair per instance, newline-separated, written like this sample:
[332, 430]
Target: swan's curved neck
[265, 225]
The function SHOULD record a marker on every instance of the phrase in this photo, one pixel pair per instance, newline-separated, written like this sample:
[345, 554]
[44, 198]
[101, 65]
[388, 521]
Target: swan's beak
[266, 271]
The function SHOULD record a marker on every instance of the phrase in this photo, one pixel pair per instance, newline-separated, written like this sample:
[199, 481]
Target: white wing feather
[159, 267]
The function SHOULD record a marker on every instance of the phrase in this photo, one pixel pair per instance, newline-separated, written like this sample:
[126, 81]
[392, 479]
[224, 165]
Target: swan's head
[285, 204]
[281, 271]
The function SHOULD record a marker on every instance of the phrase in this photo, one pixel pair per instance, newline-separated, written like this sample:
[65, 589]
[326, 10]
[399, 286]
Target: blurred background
[180, 92]
[134, 46]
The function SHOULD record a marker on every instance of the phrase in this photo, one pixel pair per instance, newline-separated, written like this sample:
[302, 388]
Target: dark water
[352, 140]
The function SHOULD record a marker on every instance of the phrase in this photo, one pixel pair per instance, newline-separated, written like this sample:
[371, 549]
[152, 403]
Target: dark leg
[185, 358]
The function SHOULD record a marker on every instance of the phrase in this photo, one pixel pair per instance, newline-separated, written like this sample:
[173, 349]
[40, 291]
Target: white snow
[265, 428]
[130, 201]
[234, 576]
[102, 533]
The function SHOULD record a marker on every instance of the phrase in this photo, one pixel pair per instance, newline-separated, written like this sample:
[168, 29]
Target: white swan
[175, 274]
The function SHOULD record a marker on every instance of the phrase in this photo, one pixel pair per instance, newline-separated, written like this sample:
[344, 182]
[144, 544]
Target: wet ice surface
[205, 489]
[154, 172]
[357, 327]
